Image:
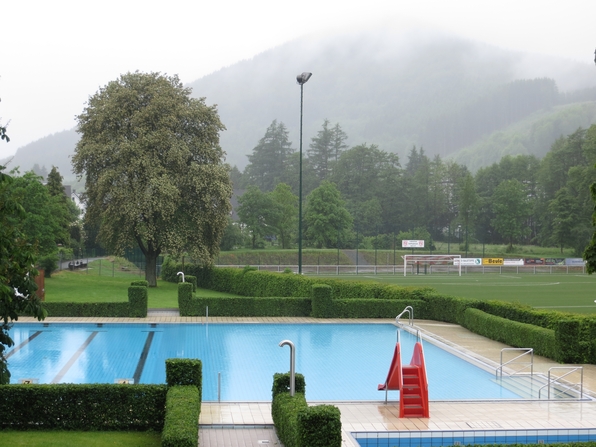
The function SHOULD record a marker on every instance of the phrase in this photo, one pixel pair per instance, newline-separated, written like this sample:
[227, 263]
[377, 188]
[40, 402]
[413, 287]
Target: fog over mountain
[393, 89]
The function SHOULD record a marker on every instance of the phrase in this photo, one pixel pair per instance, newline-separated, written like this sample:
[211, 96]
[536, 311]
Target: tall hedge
[181, 427]
[82, 407]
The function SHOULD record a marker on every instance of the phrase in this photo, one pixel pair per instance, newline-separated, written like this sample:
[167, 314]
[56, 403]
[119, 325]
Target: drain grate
[28, 381]
[263, 441]
[484, 424]
[125, 381]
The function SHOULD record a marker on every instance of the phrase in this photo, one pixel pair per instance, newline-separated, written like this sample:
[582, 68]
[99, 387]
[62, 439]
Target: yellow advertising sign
[492, 261]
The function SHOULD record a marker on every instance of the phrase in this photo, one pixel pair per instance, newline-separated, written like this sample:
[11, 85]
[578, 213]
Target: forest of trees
[362, 195]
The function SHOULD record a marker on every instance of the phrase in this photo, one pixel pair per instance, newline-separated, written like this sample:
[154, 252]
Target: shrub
[184, 372]
[181, 427]
[193, 280]
[49, 264]
[322, 295]
[299, 425]
[140, 282]
[82, 407]
[137, 300]
[519, 335]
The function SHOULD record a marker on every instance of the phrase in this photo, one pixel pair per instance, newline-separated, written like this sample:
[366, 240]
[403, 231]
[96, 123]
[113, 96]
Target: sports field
[563, 292]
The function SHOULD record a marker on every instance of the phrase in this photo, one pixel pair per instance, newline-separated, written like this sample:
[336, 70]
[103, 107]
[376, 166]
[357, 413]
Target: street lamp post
[301, 79]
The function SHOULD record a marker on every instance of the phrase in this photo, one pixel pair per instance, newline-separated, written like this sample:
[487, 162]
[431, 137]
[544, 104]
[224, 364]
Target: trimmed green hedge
[299, 425]
[181, 427]
[335, 298]
[135, 307]
[519, 335]
[99, 407]
[184, 372]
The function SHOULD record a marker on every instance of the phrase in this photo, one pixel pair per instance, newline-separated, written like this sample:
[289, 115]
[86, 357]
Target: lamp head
[303, 78]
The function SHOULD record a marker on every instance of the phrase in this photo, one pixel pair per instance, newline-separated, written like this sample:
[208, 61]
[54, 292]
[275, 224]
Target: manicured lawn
[78, 286]
[568, 293]
[77, 439]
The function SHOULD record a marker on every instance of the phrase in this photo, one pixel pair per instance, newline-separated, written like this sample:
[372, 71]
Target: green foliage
[257, 211]
[185, 298]
[281, 383]
[297, 424]
[284, 221]
[326, 218]
[374, 308]
[82, 407]
[45, 219]
[269, 158]
[146, 150]
[17, 258]
[512, 333]
[512, 209]
[232, 237]
[135, 307]
[572, 347]
[183, 372]
[183, 406]
[137, 301]
[319, 426]
[193, 280]
[48, 264]
[140, 282]
[326, 148]
[284, 412]
[322, 296]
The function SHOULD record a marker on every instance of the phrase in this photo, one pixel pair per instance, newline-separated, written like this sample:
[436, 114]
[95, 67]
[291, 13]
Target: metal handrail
[410, 311]
[571, 369]
[530, 363]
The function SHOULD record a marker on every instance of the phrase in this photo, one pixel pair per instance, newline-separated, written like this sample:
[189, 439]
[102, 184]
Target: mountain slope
[392, 88]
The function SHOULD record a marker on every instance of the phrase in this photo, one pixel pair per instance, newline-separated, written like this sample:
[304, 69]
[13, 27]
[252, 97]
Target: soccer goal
[423, 264]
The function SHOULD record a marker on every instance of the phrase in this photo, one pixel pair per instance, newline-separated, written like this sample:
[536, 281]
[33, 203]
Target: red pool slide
[411, 381]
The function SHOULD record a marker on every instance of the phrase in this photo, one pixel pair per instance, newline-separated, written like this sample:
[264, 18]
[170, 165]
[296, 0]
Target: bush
[135, 307]
[181, 427]
[322, 295]
[512, 333]
[193, 280]
[319, 426]
[299, 425]
[140, 282]
[184, 372]
[137, 301]
[49, 264]
[82, 407]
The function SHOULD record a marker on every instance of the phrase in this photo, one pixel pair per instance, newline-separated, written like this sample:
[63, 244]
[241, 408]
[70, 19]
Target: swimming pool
[340, 362]
[445, 438]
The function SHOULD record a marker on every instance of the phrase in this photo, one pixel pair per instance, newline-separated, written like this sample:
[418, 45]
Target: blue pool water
[339, 361]
[472, 437]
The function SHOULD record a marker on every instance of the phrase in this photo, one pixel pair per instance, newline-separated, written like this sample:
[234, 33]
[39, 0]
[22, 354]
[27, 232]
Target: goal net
[422, 264]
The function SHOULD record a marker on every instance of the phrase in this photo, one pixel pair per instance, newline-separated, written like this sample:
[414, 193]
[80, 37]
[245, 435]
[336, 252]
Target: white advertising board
[467, 261]
[412, 244]
[513, 262]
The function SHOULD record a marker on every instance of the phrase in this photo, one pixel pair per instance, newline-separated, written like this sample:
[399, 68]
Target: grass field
[57, 438]
[567, 293]
[77, 286]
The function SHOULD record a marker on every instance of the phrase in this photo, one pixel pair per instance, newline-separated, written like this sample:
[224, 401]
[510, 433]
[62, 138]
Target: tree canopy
[17, 258]
[154, 169]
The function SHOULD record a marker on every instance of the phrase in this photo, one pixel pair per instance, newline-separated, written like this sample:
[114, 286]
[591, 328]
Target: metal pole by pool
[292, 364]
[301, 79]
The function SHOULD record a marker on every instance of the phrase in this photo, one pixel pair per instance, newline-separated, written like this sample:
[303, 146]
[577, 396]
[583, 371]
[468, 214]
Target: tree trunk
[151, 268]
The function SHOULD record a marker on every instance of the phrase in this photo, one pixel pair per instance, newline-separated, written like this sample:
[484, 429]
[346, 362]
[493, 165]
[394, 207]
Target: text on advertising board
[492, 261]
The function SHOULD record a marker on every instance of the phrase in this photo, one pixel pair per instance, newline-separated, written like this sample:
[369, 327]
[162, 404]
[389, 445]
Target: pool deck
[250, 424]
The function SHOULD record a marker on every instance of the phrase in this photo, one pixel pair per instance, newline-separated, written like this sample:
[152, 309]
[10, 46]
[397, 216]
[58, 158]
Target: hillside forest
[366, 197]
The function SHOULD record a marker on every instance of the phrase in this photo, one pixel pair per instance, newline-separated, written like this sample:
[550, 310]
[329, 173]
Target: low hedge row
[269, 284]
[512, 333]
[184, 378]
[299, 425]
[181, 428]
[334, 298]
[135, 307]
[99, 407]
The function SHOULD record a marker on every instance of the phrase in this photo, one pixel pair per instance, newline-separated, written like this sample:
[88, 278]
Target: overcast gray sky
[55, 54]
